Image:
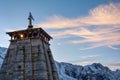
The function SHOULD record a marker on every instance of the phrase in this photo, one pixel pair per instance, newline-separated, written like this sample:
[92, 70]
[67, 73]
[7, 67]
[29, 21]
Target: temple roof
[28, 30]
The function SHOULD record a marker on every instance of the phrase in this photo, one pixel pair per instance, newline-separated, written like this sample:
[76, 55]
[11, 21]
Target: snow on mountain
[96, 71]
[117, 74]
[2, 54]
[67, 71]
[3, 50]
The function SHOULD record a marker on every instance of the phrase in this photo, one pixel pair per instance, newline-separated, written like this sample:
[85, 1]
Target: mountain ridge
[95, 71]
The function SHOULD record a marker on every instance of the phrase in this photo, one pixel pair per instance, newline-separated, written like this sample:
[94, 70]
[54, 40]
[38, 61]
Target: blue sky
[83, 31]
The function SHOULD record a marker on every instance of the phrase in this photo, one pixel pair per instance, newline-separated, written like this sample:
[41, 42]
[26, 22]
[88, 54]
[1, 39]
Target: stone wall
[29, 59]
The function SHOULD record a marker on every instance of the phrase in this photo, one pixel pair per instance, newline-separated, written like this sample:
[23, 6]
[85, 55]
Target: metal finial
[30, 18]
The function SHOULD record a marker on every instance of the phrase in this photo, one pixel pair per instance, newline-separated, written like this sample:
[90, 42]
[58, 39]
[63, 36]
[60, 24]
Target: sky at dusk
[83, 31]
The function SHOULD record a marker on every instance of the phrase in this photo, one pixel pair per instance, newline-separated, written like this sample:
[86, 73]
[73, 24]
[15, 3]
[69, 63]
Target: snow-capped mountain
[96, 71]
[2, 54]
[2, 51]
[67, 71]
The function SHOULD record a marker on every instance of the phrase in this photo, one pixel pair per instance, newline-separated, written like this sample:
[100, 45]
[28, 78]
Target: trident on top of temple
[30, 18]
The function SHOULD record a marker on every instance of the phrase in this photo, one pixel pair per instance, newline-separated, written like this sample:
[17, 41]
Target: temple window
[30, 34]
[35, 34]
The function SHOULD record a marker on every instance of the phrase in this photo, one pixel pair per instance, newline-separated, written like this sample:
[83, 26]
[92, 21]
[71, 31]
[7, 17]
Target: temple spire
[30, 18]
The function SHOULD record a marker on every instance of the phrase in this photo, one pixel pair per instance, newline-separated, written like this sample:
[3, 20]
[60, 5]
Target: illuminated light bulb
[21, 35]
[13, 38]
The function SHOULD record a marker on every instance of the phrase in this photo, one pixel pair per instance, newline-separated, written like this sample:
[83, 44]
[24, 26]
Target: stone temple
[29, 56]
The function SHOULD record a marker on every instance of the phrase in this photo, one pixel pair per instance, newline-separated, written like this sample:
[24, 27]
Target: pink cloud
[102, 15]
[104, 18]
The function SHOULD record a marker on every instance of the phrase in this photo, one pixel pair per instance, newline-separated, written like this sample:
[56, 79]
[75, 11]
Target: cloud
[102, 15]
[89, 56]
[58, 44]
[101, 27]
[115, 64]
[85, 63]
